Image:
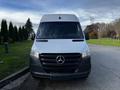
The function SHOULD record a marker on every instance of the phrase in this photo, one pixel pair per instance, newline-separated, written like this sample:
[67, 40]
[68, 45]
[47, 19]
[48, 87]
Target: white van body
[59, 48]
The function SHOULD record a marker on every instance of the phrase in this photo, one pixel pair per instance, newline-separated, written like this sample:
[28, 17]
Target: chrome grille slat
[54, 64]
[48, 61]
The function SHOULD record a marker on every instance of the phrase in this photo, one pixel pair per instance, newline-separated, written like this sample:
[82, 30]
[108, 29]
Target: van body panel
[60, 46]
[59, 17]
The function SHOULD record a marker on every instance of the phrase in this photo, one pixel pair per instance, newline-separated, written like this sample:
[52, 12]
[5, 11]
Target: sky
[18, 11]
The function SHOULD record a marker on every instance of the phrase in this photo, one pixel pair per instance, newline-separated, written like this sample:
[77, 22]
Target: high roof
[59, 18]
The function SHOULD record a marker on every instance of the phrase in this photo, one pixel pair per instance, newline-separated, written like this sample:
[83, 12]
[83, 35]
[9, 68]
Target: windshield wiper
[77, 40]
[41, 40]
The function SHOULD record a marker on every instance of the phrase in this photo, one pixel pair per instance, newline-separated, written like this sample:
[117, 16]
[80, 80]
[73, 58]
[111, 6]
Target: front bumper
[60, 76]
[37, 71]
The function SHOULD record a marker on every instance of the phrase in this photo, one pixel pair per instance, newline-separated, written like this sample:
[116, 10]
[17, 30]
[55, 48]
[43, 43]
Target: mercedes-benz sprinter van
[60, 50]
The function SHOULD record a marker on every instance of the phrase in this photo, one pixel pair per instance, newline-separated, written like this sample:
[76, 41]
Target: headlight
[34, 54]
[85, 54]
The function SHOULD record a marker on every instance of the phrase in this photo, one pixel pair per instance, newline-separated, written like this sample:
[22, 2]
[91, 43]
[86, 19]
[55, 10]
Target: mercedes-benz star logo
[60, 59]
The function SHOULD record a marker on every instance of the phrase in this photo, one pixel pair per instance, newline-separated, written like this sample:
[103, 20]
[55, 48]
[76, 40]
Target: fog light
[76, 70]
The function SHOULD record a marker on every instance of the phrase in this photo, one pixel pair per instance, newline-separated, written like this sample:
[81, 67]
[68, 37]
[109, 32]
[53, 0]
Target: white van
[60, 50]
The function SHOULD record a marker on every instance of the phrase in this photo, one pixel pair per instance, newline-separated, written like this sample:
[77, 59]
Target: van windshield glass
[59, 30]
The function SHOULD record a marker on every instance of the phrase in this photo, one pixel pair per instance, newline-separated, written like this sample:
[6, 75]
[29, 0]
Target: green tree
[0, 37]
[24, 33]
[11, 32]
[16, 33]
[19, 33]
[28, 27]
[21, 36]
[4, 31]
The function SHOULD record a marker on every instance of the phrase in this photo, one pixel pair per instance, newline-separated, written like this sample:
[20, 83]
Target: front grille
[50, 65]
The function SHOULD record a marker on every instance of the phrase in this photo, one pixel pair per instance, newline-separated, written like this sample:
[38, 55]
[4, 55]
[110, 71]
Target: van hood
[60, 46]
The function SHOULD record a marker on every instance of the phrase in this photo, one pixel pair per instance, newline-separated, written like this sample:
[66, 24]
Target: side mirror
[33, 37]
[86, 36]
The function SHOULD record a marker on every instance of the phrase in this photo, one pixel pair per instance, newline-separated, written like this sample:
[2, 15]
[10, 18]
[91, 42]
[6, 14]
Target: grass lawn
[105, 41]
[16, 59]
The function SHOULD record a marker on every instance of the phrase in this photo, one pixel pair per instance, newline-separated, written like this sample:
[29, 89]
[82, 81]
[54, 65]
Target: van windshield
[59, 30]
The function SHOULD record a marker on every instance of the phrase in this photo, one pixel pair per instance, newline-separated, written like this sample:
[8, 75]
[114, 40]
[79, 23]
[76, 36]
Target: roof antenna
[59, 17]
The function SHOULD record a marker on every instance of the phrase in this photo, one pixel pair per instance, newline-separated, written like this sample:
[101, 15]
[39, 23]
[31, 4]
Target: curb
[13, 77]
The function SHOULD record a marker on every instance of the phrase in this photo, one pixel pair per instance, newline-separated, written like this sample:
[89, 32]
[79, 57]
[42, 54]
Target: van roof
[59, 18]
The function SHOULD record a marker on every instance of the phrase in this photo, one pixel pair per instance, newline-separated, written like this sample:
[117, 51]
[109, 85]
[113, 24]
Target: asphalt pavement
[105, 74]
